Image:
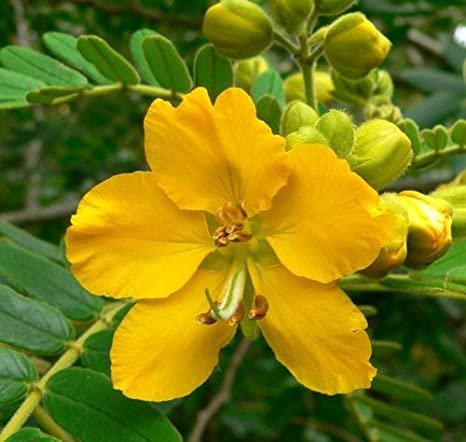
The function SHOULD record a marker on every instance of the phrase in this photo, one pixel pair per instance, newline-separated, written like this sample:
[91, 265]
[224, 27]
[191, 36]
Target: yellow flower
[225, 208]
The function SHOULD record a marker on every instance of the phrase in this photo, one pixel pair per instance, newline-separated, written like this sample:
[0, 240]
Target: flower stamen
[260, 309]
[233, 228]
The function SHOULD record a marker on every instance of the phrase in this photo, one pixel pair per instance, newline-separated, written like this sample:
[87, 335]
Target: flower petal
[160, 352]
[316, 332]
[129, 240]
[206, 155]
[325, 223]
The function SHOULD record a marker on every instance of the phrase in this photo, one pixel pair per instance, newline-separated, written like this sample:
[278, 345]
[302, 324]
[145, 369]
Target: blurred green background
[49, 156]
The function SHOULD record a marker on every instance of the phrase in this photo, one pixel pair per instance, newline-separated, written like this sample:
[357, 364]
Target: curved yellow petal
[160, 352]
[326, 222]
[128, 239]
[205, 155]
[316, 332]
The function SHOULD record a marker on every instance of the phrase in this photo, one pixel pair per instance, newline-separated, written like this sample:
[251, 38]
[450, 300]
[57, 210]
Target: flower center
[233, 227]
[232, 305]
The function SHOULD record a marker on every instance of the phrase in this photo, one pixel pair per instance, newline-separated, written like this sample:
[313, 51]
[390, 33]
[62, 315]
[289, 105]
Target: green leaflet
[40, 67]
[45, 280]
[32, 325]
[85, 404]
[108, 62]
[17, 373]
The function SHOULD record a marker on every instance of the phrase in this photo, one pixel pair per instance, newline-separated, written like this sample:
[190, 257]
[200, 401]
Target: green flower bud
[381, 153]
[354, 46]
[338, 129]
[297, 114]
[458, 228]
[291, 15]
[356, 92]
[455, 194]
[430, 220]
[247, 71]
[333, 7]
[305, 135]
[393, 254]
[238, 28]
[294, 87]
[384, 85]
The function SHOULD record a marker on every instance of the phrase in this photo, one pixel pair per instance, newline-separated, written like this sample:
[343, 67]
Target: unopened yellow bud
[294, 87]
[381, 153]
[394, 252]
[291, 15]
[238, 28]
[247, 71]
[333, 7]
[297, 114]
[430, 221]
[354, 46]
[305, 135]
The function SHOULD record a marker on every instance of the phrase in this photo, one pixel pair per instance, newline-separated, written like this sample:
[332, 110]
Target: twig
[29, 214]
[223, 396]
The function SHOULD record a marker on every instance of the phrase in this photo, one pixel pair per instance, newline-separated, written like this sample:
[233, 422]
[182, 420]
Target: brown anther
[237, 316]
[219, 233]
[205, 319]
[260, 309]
[222, 241]
[239, 236]
[242, 208]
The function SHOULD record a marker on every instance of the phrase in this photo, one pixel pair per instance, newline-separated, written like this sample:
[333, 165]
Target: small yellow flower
[229, 228]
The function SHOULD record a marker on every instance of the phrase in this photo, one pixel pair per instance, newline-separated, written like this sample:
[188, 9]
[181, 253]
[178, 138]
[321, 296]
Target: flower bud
[455, 194]
[291, 15]
[393, 253]
[297, 114]
[429, 235]
[354, 46]
[294, 87]
[381, 153]
[337, 127]
[305, 135]
[238, 28]
[247, 71]
[333, 7]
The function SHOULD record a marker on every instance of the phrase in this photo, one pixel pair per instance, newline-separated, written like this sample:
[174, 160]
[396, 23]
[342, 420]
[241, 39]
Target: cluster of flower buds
[422, 232]
[378, 150]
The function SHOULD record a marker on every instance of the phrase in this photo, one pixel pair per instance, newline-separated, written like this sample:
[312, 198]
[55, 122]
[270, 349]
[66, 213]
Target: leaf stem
[426, 159]
[285, 43]
[50, 426]
[66, 360]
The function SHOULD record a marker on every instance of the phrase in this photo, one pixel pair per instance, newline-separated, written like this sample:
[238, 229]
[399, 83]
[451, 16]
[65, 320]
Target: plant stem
[429, 158]
[223, 396]
[285, 43]
[66, 360]
[50, 426]
[407, 285]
